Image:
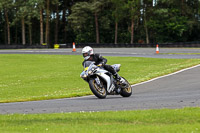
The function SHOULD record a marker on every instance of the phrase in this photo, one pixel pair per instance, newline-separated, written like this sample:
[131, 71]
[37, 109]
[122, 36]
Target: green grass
[185, 120]
[39, 77]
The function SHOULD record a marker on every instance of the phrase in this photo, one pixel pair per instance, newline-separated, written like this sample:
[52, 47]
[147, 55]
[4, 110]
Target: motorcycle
[102, 82]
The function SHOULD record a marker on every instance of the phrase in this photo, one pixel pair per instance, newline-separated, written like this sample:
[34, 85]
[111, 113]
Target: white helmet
[87, 51]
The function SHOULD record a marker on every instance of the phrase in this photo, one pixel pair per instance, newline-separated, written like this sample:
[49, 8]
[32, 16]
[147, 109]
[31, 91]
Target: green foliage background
[166, 21]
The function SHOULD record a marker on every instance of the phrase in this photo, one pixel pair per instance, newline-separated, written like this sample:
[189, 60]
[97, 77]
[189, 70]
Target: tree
[105, 21]
[147, 13]
[7, 5]
[134, 11]
[82, 10]
[41, 27]
[26, 10]
[56, 12]
[20, 15]
[79, 16]
[167, 22]
[66, 10]
[118, 14]
[48, 14]
[47, 21]
[40, 7]
[57, 20]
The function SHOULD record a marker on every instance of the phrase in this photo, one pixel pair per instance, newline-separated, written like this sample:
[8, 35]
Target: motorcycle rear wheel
[96, 90]
[127, 91]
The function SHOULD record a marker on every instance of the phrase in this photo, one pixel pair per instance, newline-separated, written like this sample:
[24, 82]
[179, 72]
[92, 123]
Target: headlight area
[83, 76]
[90, 72]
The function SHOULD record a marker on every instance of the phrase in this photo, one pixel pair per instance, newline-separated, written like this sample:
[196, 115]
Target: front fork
[98, 82]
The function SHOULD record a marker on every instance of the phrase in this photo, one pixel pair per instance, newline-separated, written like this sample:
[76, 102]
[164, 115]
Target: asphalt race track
[133, 52]
[178, 90]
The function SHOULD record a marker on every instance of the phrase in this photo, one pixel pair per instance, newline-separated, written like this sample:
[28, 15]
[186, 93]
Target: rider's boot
[118, 78]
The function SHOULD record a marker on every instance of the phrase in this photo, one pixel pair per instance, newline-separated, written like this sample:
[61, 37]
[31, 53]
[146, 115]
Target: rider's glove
[101, 64]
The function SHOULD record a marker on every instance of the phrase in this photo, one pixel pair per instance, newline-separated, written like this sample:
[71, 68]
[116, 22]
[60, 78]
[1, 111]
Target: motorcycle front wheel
[127, 90]
[98, 91]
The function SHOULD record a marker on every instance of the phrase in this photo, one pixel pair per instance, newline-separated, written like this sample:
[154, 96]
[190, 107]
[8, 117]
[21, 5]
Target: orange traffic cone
[157, 49]
[74, 47]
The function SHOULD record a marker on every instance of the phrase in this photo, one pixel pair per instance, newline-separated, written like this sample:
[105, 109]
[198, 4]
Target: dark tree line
[31, 22]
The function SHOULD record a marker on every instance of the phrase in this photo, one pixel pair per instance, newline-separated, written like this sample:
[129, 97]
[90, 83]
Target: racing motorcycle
[102, 82]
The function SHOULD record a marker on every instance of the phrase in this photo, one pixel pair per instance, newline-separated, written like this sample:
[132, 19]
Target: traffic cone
[74, 47]
[157, 49]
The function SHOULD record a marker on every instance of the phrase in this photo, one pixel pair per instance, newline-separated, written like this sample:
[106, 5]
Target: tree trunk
[8, 26]
[47, 23]
[116, 31]
[64, 25]
[146, 29]
[147, 34]
[16, 35]
[64, 21]
[56, 28]
[5, 35]
[30, 34]
[97, 27]
[132, 31]
[41, 27]
[23, 32]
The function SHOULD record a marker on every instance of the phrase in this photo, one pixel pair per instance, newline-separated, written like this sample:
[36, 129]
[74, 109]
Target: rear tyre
[98, 91]
[126, 89]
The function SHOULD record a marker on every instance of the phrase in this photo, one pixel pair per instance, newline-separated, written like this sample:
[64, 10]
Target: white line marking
[80, 97]
[166, 75]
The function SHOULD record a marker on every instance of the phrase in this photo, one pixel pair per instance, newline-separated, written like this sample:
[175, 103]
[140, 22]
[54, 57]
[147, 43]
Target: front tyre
[126, 89]
[98, 91]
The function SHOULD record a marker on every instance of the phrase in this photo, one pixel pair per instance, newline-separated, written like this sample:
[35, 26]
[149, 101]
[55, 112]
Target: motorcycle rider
[88, 55]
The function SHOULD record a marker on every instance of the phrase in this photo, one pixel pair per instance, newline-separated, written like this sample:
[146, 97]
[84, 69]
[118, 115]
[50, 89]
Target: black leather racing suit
[98, 59]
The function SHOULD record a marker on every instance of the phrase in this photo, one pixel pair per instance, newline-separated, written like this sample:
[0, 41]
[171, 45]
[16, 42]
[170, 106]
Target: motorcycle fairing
[107, 79]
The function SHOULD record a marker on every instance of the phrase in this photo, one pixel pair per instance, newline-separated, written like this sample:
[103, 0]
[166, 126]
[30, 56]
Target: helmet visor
[85, 54]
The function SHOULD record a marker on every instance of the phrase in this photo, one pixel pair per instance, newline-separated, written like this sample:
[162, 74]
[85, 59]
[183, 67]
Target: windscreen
[87, 63]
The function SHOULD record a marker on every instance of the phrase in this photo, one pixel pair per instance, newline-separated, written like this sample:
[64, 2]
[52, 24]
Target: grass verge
[185, 120]
[39, 77]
